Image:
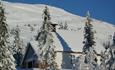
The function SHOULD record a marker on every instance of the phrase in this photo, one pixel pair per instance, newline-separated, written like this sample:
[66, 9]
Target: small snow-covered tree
[89, 43]
[17, 46]
[61, 25]
[103, 61]
[108, 56]
[111, 54]
[6, 58]
[65, 26]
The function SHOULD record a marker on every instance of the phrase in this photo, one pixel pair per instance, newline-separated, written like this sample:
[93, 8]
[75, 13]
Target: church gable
[30, 56]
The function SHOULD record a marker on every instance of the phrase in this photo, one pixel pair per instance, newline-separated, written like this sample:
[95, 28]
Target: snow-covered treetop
[88, 14]
[46, 14]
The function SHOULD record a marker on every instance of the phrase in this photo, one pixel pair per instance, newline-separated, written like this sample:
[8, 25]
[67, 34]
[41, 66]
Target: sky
[103, 10]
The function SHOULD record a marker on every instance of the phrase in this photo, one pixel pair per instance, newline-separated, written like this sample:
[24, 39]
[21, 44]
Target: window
[30, 64]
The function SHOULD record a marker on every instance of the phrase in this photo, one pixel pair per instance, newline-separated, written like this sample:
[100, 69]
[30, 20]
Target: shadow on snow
[66, 57]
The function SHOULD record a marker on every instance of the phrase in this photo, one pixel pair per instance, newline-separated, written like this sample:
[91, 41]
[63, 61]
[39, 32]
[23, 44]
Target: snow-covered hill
[29, 19]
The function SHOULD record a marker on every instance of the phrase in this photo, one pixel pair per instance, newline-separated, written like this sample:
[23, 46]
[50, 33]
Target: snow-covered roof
[32, 51]
[35, 46]
[66, 40]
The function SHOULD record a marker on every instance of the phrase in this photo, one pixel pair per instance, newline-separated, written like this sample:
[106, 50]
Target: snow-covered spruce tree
[61, 25]
[65, 26]
[89, 43]
[17, 46]
[6, 58]
[108, 56]
[103, 61]
[45, 40]
[110, 61]
[46, 17]
[104, 55]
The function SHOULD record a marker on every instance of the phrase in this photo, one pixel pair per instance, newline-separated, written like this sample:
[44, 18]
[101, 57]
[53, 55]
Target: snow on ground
[29, 19]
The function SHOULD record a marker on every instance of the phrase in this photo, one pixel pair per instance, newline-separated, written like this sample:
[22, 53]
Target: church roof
[32, 52]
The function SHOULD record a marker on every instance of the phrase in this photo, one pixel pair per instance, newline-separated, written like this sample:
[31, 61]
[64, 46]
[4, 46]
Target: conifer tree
[46, 17]
[65, 26]
[61, 25]
[17, 46]
[45, 40]
[108, 56]
[103, 61]
[89, 43]
[110, 64]
[6, 58]
[89, 34]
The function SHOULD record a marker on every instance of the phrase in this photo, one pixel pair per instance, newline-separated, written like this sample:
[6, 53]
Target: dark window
[30, 64]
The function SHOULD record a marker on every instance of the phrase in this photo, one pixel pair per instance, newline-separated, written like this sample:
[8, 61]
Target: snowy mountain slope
[29, 19]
